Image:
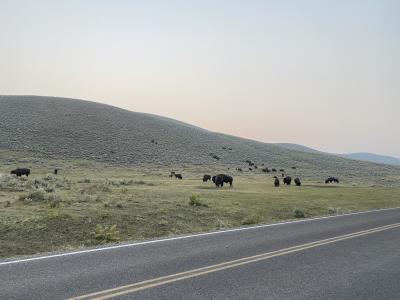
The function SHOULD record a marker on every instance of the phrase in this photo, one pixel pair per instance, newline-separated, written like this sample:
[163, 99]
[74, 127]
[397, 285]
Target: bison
[206, 178]
[220, 179]
[276, 182]
[297, 181]
[266, 170]
[287, 180]
[178, 176]
[273, 170]
[332, 179]
[21, 171]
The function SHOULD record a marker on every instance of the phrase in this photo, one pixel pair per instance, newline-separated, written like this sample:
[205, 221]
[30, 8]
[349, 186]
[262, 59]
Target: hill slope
[297, 147]
[75, 128]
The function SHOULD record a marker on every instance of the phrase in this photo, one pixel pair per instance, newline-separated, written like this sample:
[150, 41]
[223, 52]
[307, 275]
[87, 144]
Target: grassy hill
[59, 127]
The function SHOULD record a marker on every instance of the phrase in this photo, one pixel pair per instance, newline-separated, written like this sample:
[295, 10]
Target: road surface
[353, 256]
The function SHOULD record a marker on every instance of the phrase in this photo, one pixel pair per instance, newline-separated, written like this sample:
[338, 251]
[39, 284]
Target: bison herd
[218, 180]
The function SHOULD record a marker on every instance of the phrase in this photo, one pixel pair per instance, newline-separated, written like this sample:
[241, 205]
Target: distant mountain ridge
[362, 156]
[372, 157]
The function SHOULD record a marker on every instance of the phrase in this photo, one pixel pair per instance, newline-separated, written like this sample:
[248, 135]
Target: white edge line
[185, 237]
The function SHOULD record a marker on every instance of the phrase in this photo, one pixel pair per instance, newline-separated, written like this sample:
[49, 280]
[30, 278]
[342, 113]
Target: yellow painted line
[139, 286]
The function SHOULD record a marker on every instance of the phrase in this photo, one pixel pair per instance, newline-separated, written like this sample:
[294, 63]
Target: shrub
[13, 183]
[107, 233]
[54, 200]
[299, 213]
[84, 180]
[250, 220]
[140, 182]
[35, 196]
[194, 200]
[49, 177]
[126, 182]
[334, 210]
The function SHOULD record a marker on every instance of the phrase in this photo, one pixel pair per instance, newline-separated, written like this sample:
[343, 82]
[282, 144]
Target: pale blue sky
[321, 73]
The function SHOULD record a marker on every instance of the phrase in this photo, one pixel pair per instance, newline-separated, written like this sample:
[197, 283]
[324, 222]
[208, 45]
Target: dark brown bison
[273, 170]
[332, 179]
[55, 171]
[266, 170]
[276, 182]
[239, 169]
[178, 176]
[21, 171]
[220, 179]
[206, 178]
[297, 181]
[250, 169]
[281, 170]
[287, 180]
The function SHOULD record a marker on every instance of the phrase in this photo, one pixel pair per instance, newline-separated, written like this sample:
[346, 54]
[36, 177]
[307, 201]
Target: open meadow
[89, 203]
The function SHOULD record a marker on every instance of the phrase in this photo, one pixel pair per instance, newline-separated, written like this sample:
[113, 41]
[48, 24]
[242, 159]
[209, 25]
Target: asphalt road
[346, 257]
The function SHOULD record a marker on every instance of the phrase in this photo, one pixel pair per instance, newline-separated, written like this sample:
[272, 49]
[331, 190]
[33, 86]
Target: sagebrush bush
[299, 213]
[250, 220]
[54, 200]
[334, 210]
[194, 200]
[49, 177]
[84, 180]
[13, 183]
[35, 196]
[107, 233]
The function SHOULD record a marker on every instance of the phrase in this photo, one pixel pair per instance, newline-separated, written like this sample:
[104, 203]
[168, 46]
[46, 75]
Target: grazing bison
[255, 167]
[216, 157]
[332, 179]
[178, 176]
[266, 170]
[206, 178]
[276, 182]
[294, 168]
[250, 169]
[239, 169]
[21, 171]
[281, 170]
[220, 179]
[55, 171]
[297, 181]
[287, 180]
[273, 170]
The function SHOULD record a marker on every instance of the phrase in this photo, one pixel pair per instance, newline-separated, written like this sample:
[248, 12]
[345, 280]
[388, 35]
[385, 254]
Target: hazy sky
[321, 73]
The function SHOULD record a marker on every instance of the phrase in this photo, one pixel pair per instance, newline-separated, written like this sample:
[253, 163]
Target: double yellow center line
[139, 286]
